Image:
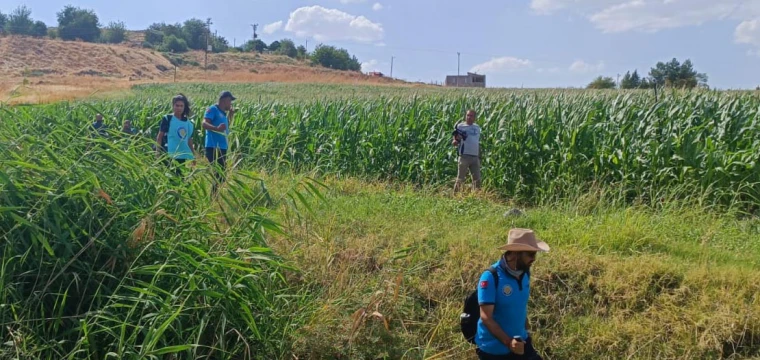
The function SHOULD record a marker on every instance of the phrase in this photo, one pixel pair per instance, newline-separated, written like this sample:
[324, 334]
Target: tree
[75, 23]
[219, 44]
[157, 32]
[339, 59]
[20, 22]
[39, 29]
[274, 46]
[154, 34]
[631, 81]
[174, 44]
[602, 83]
[302, 53]
[115, 33]
[3, 20]
[194, 33]
[254, 45]
[677, 75]
[288, 48]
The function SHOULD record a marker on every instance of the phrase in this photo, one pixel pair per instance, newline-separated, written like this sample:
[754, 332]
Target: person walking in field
[217, 122]
[467, 141]
[177, 129]
[98, 126]
[127, 128]
[502, 331]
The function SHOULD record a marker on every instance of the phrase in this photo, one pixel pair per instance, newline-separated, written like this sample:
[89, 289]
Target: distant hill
[42, 69]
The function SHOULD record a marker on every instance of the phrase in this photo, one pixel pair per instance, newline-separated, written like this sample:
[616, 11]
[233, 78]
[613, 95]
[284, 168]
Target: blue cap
[226, 94]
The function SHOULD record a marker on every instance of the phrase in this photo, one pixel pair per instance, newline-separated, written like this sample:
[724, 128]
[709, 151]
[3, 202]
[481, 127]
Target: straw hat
[524, 240]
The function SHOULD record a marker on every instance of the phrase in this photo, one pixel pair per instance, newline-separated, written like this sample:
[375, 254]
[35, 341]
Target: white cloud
[502, 65]
[582, 67]
[377, 7]
[371, 65]
[330, 24]
[748, 32]
[650, 15]
[273, 27]
[352, 1]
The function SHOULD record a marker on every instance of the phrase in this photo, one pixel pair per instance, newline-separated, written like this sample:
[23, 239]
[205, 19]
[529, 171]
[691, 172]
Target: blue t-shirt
[217, 117]
[510, 308]
[178, 133]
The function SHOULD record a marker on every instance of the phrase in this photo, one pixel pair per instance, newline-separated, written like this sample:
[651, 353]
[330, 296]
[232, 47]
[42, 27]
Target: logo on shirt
[506, 290]
[182, 133]
[483, 284]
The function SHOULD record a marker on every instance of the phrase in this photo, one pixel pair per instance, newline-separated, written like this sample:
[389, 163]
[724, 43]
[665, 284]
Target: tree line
[83, 24]
[672, 74]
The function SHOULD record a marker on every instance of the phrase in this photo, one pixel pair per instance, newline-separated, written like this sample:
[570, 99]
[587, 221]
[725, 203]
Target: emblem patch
[506, 290]
[483, 284]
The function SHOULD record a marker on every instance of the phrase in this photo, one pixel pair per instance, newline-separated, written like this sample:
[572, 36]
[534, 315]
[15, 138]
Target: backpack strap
[495, 276]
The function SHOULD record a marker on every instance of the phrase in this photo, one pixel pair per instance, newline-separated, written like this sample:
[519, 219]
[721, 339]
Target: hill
[44, 70]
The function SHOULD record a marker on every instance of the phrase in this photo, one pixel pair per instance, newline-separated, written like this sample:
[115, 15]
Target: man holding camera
[467, 139]
[502, 332]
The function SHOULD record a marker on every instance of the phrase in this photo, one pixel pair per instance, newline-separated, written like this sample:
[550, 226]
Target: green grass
[106, 255]
[677, 283]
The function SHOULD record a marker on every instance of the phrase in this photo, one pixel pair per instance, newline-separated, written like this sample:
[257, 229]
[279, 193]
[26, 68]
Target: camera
[459, 133]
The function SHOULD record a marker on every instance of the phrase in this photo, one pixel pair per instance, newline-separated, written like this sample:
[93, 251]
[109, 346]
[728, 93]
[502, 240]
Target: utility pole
[392, 57]
[307, 45]
[208, 33]
[618, 81]
[254, 27]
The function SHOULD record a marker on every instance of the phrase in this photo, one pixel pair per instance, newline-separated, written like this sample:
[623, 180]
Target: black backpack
[165, 141]
[468, 320]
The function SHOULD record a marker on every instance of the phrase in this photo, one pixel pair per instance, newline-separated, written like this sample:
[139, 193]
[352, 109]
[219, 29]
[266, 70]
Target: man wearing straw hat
[503, 326]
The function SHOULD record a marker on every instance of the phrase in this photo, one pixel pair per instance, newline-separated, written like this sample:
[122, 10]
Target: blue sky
[529, 43]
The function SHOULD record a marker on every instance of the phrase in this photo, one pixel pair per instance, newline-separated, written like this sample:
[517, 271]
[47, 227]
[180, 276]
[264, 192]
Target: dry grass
[46, 70]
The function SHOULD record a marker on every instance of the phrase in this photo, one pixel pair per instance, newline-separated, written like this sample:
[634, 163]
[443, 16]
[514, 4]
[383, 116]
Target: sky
[515, 43]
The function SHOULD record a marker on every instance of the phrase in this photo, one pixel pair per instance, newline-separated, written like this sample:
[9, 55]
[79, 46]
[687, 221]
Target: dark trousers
[218, 160]
[178, 165]
[530, 354]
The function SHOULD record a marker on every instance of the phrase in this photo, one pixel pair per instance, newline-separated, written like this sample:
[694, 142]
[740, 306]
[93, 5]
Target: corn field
[537, 146]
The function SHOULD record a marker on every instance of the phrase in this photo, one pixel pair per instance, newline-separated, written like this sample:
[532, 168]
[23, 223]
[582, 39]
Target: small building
[469, 80]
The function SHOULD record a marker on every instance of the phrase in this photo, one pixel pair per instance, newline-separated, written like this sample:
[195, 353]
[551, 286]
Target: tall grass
[105, 254]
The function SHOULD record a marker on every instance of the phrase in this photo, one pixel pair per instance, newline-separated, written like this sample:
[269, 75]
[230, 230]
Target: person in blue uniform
[502, 332]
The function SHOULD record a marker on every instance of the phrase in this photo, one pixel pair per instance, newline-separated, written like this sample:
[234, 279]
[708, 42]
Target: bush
[115, 33]
[75, 23]
[288, 48]
[174, 44]
[333, 58]
[52, 33]
[20, 22]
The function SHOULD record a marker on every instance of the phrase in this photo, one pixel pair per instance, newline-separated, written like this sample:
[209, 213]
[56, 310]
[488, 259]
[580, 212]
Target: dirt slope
[42, 70]
[37, 57]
